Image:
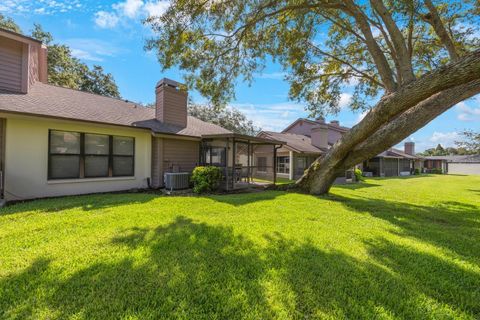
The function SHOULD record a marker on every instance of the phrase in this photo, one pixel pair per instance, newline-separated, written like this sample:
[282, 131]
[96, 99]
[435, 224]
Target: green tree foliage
[64, 69]
[9, 24]
[471, 141]
[440, 151]
[228, 118]
[67, 71]
[322, 45]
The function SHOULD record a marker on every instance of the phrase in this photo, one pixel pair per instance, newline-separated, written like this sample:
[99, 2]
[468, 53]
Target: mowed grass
[404, 248]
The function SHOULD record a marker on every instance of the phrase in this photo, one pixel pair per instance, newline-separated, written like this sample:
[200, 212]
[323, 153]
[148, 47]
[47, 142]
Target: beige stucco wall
[26, 159]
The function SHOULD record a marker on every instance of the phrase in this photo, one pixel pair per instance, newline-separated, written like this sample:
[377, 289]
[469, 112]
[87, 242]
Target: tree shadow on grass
[241, 199]
[189, 270]
[84, 202]
[193, 270]
[357, 185]
[451, 225]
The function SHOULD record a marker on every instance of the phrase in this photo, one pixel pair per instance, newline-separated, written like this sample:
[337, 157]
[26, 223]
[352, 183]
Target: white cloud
[43, 7]
[106, 20]
[446, 139]
[155, 9]
[128, 10]
[271, 76]
[345, 100]
[272, 117]
[92, 49]
[84, 55]
[467, 113]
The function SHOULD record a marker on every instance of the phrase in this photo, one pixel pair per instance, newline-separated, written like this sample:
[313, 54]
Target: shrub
[359, 175]
[206, 179]
[436, 171]
[416, 171]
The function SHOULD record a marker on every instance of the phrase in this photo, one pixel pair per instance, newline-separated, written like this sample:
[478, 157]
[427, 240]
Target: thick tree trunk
[318, 178]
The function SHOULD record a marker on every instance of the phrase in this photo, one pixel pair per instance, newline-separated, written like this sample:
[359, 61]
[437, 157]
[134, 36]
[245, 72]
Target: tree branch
[410, 121]
[358, 71]
[405, 63]
[434, 20]
[379, 58]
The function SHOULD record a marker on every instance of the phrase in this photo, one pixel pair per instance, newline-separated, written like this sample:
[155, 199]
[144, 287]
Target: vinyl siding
[157, 162]
[10, 65]
[181, 154]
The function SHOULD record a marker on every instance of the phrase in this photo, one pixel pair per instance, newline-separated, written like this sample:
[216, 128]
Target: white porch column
[290, 176]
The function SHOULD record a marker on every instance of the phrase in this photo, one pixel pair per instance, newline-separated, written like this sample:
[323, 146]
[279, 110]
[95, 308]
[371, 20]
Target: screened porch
[245, 161]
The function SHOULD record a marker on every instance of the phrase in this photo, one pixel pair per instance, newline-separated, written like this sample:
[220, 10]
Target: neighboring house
[304, 141]
[393, 162]
[454, 164]
[56, 141]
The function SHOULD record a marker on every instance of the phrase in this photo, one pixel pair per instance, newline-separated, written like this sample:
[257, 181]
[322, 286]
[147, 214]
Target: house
[304, 141]
[393, 162]
[454, 164]
[56, 141]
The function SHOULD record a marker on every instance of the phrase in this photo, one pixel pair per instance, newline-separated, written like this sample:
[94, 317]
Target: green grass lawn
[404, 248]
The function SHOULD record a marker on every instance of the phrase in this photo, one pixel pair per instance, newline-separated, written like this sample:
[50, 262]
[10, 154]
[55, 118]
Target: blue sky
[110, 33]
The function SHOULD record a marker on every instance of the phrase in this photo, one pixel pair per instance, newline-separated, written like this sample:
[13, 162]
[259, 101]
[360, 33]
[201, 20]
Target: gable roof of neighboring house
[295, 142]
[473, 158]
[313, 122]
[396, 153]
[46, 100]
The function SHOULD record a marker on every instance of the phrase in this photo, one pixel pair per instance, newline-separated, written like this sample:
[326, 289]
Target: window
[84, 155]
[262, 164]
[97, 150]
[123, 156]
[64, 153]
[215, 156]
[283, 165]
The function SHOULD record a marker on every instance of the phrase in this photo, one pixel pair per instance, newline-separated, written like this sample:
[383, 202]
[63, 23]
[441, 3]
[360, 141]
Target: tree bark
[461, 72]
[410, 121]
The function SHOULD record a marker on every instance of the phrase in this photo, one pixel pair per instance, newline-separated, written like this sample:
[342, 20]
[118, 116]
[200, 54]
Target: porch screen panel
[390, 167]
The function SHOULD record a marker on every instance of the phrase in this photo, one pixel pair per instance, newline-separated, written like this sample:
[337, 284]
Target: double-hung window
[65, 154]
[85, 155]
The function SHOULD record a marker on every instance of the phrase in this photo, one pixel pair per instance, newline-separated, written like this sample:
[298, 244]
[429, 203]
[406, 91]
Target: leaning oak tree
[414, 59]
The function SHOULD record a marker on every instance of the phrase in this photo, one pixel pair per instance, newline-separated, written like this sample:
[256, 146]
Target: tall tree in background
[67, 71]
[9, 24]
[229, 118]
[471, 141]
[416, 58]
[64, 69]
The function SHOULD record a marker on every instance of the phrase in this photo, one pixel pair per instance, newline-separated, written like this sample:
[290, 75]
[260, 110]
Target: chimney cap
[168, 82]
[320, 119]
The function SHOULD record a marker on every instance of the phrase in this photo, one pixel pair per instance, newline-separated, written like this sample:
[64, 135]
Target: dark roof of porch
[242, 138]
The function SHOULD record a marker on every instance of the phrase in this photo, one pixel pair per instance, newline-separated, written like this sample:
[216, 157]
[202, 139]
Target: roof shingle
[52, 101]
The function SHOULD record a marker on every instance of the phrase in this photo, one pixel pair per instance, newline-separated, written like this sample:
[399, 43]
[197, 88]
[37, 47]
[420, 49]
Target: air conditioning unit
[176, 180]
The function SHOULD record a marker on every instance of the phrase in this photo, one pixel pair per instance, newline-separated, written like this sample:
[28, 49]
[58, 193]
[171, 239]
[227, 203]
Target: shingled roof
[46, 100]
[295, 142]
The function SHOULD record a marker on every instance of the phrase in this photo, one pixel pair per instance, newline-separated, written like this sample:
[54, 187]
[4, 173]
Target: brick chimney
[335, 123]
[319, 136]
[171, 103]
[409, 148]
